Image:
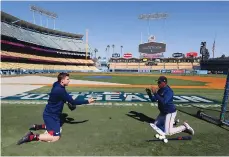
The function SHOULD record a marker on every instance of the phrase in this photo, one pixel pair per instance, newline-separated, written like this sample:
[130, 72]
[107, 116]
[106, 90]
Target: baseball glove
[71, 107]
[148, 91]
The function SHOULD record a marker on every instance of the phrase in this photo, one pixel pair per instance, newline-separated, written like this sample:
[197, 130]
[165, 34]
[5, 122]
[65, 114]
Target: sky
[116, 22]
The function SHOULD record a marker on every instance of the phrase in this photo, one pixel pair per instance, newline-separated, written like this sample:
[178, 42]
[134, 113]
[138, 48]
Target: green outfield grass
[108, 130]
[138, 80]
[143, 80]
[135, 74]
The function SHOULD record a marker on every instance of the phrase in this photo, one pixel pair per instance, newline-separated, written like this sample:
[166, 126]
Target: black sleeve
[68, 98]
[148, 91]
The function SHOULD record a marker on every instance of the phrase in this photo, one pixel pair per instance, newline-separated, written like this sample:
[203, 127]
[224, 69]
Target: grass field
[138, 79]
[114, 130]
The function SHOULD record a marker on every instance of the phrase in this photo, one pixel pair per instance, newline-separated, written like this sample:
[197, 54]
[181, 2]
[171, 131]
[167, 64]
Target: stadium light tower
[43, 12]
[153, 16]
[86, 44]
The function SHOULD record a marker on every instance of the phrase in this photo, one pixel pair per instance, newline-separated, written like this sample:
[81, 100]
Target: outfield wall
[163, 71]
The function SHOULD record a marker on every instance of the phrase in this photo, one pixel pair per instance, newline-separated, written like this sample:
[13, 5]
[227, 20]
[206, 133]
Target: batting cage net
[224, 116]
[227, 114]
[218, 116]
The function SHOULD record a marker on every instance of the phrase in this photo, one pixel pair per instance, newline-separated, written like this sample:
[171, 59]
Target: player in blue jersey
[168, 112]
[53, 111]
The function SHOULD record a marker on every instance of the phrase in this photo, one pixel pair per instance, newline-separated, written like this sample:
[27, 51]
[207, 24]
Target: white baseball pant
[167, 122]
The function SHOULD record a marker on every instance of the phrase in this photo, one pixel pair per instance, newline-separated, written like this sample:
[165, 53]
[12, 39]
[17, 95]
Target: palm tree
[108, 50]
[121, 50]
[95, 50]
[113, 46]
[192, 60]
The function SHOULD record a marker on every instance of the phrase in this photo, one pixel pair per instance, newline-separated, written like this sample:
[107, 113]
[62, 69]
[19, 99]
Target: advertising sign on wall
[115, 55]
[165, 71]
[177, 55]
[156, 55]
[127, 55]
[191, 54]
[201, 72]
[178, 71]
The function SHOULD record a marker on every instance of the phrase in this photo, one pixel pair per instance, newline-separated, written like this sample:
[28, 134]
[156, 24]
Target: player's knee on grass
[49, 136]
[46, 132]
[55, 138]
[55, 135]
[168, 133]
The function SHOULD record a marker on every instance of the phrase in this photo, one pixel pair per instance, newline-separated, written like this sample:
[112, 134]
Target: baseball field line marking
[4, 102]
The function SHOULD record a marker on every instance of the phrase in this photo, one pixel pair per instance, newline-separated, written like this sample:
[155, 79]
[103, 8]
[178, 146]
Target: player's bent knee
[55, 138]
[168, 133]
[47, 137]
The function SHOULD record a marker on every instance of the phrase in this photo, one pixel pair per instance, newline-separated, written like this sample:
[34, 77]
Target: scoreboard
[152, 47]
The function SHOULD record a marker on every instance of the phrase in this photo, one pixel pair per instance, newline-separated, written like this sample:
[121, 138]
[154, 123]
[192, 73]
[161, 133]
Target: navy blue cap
[162, 79]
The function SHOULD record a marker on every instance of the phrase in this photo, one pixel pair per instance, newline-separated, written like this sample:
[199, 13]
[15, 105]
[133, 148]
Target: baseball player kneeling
[165, 120]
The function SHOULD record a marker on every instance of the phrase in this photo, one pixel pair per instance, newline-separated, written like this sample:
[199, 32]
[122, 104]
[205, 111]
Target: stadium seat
[43, 39]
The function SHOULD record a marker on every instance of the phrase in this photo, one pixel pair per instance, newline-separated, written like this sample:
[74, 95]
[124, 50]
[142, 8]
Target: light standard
[43, 12]
[121, 50]
[154, 16]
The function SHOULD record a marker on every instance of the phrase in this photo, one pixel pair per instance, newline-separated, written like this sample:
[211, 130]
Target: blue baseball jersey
[57, 97]
[164, 96]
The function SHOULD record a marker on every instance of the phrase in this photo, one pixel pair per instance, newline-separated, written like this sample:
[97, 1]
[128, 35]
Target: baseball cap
[162, 79]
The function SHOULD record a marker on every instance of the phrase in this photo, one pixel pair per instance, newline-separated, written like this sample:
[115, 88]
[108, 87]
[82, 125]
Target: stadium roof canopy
[11, 19]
